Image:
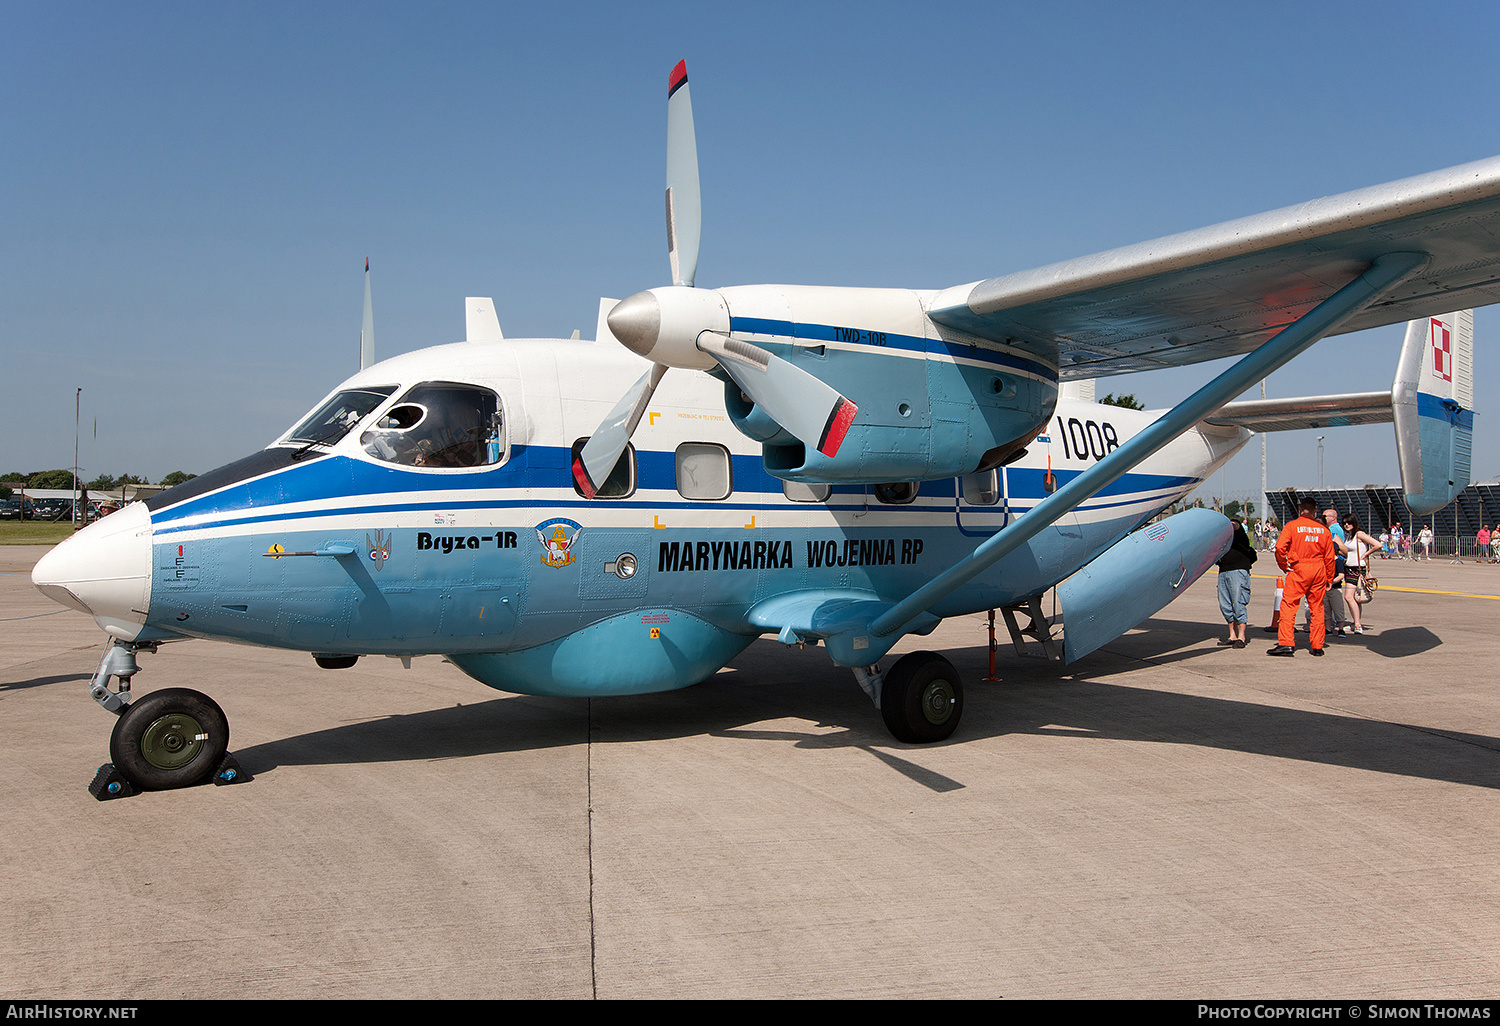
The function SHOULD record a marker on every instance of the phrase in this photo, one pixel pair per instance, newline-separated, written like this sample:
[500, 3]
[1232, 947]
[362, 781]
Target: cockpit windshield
[332, 421]
[439, 424]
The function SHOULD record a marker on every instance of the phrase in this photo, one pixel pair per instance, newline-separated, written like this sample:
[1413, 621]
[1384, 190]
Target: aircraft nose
[104, 570]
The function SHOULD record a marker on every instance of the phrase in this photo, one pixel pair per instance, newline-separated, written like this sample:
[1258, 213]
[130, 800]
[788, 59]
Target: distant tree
[175, 478]
[102, 483]
[4, 491]
[1233, 508]
[128, 479]
[1129, 402]
[51, 479]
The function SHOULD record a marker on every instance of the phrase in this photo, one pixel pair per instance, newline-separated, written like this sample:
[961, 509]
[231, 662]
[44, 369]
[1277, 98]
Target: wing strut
[1385, 273]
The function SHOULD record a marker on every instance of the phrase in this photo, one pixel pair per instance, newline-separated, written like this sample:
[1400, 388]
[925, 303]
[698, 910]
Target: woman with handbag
[1357, 588]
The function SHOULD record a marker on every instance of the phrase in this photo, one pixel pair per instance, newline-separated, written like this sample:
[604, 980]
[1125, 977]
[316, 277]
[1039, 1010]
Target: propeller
[367, 326]
[686, 327]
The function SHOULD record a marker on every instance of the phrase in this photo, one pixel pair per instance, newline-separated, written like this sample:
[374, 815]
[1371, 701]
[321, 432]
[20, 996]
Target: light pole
[1320, 462]
[77, 401]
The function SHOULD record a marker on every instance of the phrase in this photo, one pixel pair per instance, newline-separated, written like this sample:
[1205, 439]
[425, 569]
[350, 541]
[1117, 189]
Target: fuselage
[370, 544]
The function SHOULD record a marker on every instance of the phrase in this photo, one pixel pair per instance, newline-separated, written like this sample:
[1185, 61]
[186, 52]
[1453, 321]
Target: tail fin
[1432, 401]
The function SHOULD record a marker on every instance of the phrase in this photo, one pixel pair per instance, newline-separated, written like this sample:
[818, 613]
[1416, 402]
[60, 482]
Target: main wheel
[171, 738]
[921, 698]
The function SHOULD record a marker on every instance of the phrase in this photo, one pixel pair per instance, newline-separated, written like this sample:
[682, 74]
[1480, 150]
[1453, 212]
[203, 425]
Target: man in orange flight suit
[1305, 554]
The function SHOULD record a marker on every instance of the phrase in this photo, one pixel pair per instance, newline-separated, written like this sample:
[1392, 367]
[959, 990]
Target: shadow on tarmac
[1036, 698]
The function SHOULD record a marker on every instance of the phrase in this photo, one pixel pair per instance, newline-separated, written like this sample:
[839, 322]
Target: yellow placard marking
[655, 633]
[750, 524]
[651, 418]
[656, 522]
[274, 551]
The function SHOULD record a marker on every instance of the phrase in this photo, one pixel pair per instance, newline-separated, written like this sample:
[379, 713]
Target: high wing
[1223, 290]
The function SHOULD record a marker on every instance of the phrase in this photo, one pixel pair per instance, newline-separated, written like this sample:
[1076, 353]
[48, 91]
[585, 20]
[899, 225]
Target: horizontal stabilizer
[481, 322]
[1137, 576]
[1321, 411]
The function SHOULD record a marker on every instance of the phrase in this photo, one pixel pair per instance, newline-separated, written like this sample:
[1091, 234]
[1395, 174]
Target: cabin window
[898, 493]
[703, 471]
[799, 491]
[439, 424]
[621, 481]
[982, 489]
[332, 421]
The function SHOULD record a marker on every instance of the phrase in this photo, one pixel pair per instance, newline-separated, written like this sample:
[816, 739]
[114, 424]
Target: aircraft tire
[922, 698]
[171, 738]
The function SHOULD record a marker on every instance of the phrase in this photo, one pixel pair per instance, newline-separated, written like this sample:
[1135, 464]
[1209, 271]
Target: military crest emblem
[557, 537]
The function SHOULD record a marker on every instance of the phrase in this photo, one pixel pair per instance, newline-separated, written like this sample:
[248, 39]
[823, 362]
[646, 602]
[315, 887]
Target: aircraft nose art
[104, 570]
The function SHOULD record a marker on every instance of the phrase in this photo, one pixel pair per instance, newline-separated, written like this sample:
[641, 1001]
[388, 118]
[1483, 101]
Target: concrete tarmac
[1164, 819]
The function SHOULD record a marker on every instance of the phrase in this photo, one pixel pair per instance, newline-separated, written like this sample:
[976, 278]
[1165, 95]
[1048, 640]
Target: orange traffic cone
[1276, 610]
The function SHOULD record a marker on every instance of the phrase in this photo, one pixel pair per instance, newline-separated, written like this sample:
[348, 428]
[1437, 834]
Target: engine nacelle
[929, 407]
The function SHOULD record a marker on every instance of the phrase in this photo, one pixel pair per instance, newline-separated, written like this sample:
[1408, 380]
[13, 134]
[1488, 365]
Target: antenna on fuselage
[367, 327]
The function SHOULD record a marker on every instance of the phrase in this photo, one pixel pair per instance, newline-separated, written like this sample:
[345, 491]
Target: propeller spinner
[686, 327]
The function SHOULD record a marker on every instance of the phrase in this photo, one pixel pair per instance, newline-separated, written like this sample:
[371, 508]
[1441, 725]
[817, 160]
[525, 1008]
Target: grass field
[30, 532]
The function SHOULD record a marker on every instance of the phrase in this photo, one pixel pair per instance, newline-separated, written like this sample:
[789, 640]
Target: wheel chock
[230, 772]
[109, 784]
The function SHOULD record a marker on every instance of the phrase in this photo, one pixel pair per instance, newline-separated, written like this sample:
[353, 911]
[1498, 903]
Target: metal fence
[1378, 507]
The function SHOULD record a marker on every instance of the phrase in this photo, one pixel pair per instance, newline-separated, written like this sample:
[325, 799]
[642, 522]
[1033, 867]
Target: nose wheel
[171, 738]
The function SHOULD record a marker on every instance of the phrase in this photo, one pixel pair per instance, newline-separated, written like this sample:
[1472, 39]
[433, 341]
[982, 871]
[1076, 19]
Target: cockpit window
[439, 424]
[332, 421]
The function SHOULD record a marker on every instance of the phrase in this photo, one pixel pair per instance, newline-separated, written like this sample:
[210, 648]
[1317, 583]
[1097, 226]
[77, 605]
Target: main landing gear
[920, 698]
[171, 738]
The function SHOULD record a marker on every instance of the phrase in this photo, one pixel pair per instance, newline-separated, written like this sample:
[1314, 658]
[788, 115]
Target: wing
[1223, 290]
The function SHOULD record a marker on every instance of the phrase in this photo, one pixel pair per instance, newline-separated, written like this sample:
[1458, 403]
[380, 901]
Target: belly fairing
[634, 653]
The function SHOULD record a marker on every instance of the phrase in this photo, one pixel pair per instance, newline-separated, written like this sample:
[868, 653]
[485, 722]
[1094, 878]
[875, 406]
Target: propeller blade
[800, 402]
[367, 326]
[602, 451]
[684, 206]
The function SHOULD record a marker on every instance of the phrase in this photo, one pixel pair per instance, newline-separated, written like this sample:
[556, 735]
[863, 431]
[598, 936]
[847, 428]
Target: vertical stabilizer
[1433, 399]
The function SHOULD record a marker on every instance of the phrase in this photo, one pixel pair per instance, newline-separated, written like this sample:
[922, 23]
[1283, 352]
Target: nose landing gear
[171, 738]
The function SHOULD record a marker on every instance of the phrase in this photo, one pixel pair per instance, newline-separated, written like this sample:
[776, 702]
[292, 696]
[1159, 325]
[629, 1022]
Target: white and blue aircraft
[836, 465]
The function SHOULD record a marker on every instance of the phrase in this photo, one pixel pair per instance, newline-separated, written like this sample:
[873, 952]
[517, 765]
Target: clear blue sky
[190, 190]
